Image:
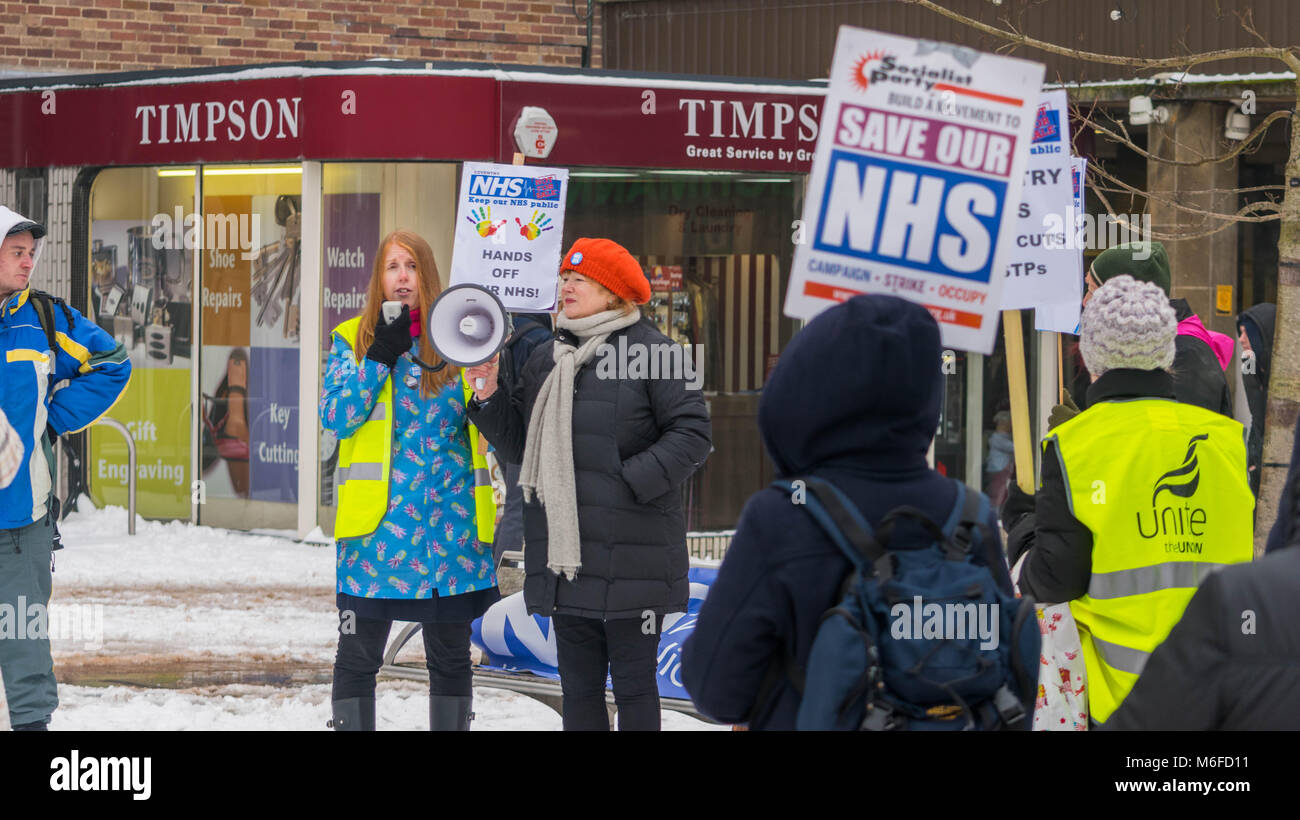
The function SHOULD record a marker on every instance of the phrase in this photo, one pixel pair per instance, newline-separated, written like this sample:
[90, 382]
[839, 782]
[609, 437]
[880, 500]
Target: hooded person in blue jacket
[46, 389]
[854, 400]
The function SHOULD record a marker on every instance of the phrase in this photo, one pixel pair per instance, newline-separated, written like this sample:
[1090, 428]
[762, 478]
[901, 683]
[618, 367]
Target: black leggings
[361, 653]
[587, 650]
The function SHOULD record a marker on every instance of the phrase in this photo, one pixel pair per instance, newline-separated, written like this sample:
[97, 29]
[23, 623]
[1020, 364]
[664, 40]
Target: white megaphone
[467, 326]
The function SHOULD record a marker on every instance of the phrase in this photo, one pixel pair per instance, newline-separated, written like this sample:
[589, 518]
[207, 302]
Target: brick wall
[66, 36]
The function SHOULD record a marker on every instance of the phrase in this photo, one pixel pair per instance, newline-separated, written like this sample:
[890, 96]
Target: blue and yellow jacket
[68, 389]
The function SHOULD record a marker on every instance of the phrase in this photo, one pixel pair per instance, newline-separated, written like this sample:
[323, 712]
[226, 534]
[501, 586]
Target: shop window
[141, 285]
[362, 203]
[717, 249]
[251, 262]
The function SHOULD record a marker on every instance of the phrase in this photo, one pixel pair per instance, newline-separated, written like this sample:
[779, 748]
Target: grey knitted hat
[1127, 324]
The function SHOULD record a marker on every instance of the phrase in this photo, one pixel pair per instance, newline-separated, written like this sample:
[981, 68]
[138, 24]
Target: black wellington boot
[450, 713]
[353, 715]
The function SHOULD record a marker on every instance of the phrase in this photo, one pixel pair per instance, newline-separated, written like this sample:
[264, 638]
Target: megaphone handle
[478, 384]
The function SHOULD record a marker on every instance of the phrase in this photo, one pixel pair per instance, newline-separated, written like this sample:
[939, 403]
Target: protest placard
[1063, 316]
[1041, 260]
[919, 164]
[509, 227]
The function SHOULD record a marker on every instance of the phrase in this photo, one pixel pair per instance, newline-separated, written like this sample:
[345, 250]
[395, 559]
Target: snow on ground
[196, 628]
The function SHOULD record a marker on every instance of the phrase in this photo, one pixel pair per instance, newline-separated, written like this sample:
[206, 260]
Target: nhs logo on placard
[910, 216]
[545, 188]
[1047, 131]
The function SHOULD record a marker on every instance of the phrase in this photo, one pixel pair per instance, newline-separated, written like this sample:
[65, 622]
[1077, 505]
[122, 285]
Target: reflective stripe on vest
[1162, 488]
[485, 507]
[1141, 580]
[365, 459]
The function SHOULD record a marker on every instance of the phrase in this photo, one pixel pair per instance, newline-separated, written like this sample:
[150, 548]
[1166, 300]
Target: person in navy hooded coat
[854, 400]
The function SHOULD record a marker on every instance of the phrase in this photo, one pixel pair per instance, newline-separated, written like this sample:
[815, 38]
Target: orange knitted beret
[609, 263]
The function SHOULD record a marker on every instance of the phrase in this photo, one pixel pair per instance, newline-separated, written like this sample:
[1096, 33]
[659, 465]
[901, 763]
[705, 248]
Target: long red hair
[428, 287]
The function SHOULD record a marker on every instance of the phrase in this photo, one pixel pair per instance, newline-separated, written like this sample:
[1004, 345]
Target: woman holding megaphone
[604, 456]
[414, 533]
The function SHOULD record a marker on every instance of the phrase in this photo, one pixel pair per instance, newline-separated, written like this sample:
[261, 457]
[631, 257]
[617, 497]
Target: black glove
[1018, 503]
[391, 340]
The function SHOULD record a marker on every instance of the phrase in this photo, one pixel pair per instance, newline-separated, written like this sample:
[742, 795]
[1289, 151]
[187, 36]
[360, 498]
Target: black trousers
[361, 653]
[588, 649]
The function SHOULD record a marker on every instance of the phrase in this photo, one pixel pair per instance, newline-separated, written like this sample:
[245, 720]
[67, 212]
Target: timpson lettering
[735, 119]
[261, 119]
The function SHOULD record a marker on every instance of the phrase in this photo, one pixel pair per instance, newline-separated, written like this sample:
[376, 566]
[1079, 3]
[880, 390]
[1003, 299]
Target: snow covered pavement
[185, 627]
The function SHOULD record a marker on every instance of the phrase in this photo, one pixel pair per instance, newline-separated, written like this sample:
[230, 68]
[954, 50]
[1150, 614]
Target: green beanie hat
[1144, 261]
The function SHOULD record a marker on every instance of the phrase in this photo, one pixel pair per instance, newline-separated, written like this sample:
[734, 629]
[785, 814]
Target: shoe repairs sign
[916, 178]
[509, 226]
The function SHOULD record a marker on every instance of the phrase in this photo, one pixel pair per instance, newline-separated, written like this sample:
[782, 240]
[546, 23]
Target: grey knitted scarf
[547, 470]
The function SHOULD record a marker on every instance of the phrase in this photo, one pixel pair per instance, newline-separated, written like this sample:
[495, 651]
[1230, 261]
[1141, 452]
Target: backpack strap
[42, 302]
[846, 527]
[969, 524]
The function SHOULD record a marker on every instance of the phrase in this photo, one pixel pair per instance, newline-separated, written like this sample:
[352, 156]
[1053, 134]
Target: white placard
[1064, 317]
[1041, 260]
[919, 164]
[509, 227]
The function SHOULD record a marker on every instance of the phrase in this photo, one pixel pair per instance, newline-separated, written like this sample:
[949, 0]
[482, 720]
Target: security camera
[1236, 126]
[1142, 112]
[1116, 15]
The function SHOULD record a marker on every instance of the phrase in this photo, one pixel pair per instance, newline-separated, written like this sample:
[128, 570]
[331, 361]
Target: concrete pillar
[1198, 266]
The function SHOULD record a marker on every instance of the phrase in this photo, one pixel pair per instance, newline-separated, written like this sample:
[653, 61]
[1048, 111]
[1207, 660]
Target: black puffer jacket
[1230, 663]
[635, 442]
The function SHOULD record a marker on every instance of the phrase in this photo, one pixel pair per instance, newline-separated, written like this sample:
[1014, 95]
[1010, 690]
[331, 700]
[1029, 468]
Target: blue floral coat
[427, 539]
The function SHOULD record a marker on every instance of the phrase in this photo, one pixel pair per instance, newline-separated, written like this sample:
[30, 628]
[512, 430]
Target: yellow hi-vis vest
[1162, 486]
[365, 460]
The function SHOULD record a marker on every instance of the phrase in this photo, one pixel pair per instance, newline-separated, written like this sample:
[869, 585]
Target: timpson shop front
[293, 173]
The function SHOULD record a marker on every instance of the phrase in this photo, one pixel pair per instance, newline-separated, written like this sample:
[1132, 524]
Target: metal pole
[130, 478]
[586, 56]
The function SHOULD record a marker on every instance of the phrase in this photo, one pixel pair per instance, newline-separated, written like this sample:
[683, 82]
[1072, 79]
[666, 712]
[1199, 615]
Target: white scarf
[547, 470]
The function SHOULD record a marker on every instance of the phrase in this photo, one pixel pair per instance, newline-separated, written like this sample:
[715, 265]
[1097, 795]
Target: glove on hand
[1063, 412]
[391, 340]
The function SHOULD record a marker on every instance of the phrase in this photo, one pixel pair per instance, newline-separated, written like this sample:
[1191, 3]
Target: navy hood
[1259, 321]
[861, 383]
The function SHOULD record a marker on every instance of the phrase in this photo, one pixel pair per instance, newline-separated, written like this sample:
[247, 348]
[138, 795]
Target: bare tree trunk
[1284, 383]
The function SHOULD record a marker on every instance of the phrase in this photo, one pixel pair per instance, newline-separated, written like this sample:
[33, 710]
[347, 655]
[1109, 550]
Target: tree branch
[1286, 55]
[1260, 129]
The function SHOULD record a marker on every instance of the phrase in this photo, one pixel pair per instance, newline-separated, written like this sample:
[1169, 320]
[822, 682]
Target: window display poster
[225, 374]
[276, 273]
[140, 293]
[226, 274]
[273, 416]
[351, 240]
[509, 226]
[156, 412]
[919, 166]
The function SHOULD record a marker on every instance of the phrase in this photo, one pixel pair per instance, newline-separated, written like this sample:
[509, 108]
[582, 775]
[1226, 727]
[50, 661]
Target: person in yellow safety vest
[415, 511]
[1141, 498]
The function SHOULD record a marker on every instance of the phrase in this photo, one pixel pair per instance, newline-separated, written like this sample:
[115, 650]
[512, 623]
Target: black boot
[450, 713]
[353, 715]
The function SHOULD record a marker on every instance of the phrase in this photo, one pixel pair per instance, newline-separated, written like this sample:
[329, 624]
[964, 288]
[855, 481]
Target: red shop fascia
[400, 111]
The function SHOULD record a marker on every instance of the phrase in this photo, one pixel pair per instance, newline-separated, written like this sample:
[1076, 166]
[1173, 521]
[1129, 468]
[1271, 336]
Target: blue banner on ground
[514, 641]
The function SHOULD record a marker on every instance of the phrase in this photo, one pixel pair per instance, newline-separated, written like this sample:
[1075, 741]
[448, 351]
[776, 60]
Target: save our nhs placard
[918, 170]
[509, 226]
[1042, 261]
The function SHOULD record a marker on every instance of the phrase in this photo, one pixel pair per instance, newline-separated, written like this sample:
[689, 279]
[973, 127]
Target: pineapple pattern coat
[427, 538]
